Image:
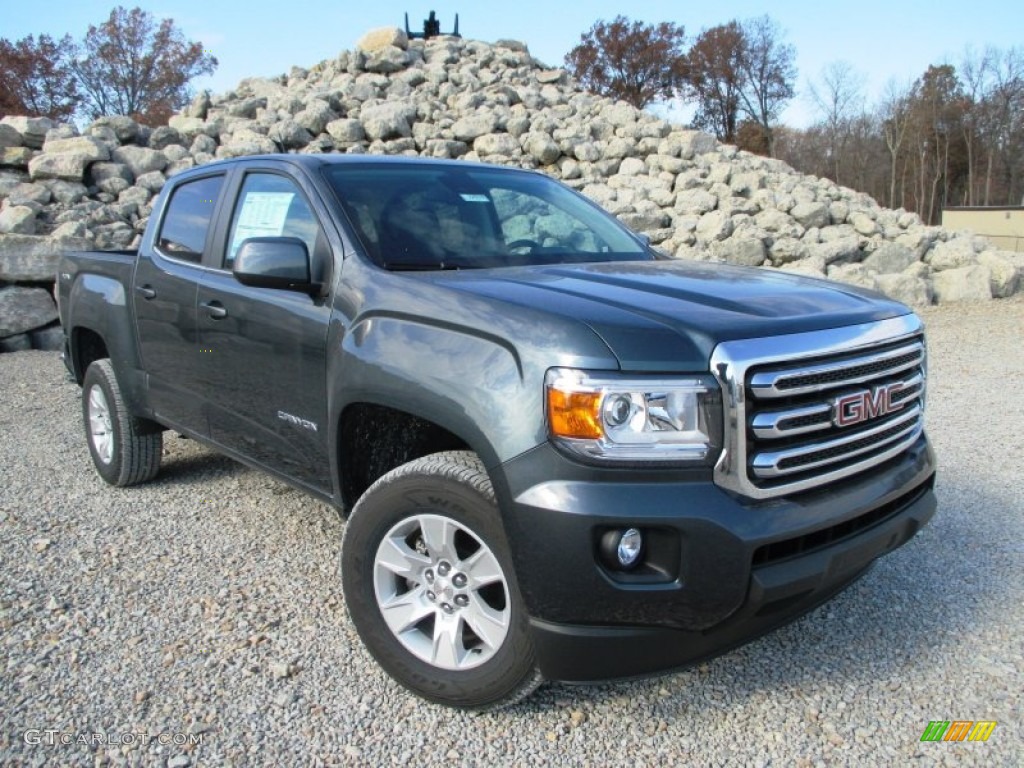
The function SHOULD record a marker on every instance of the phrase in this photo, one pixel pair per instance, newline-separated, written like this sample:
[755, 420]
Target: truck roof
[309, 161]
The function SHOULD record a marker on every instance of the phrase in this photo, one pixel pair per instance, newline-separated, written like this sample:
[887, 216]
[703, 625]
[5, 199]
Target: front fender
[473, 384]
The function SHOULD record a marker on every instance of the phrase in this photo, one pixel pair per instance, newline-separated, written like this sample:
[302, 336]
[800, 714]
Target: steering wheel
[530, 245]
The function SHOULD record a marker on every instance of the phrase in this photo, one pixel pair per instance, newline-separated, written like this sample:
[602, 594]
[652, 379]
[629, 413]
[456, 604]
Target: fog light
[630, 545]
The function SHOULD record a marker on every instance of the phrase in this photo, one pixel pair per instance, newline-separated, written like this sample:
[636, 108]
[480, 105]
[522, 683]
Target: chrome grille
[806, 409]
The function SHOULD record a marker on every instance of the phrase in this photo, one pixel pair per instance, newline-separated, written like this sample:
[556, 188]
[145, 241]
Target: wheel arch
[372, 439]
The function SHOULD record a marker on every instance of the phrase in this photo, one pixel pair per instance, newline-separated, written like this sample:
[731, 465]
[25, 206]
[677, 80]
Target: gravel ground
[203, 611]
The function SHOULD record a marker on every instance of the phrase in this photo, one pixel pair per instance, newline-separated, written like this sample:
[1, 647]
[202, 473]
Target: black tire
[452, 487]
[124, 448]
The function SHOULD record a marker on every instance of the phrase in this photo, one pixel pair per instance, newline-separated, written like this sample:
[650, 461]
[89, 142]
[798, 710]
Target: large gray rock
[140, 160]
[472, 127]
[695, 201]
[49, 339]
[9, 137]
[69, 166]
[123, 127]
[1005, 277]
[390, 120]
[346, 131]
[542, 148]
[188, 127]
[27, 258]
[31, 129]
[810, 214]
[15, 157]
[66, 192]
[21, 342]
[853, 274]
[25, 309]
[953, 254]
[744, 250]
[383, 37]
[289, 134]
[152, 181]
[92, 148]
[246, 142]
[387, 60]
[839, 251]
[18, 219]
[164, 137]
[890, 258]
[972, 283]
[912, 291]
[645, 221]
[714, 225]
[315, 117]
[862, 223]
[32, 193]
[496, 144]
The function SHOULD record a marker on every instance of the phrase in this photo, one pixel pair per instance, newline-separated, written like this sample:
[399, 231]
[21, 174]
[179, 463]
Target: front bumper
[742, 567]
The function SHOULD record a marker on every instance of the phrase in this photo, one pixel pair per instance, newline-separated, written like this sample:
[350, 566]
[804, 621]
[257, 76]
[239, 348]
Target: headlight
[606, 417]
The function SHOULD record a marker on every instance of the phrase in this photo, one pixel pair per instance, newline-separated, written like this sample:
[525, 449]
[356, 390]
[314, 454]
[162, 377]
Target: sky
[882, 40]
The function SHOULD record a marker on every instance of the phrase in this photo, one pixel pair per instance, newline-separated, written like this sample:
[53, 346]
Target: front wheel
[125, 449]
[430, 587]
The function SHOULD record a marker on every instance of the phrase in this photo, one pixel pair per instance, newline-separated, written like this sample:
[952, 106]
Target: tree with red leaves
[132, 65]
[716, 78]
[629, 60]
[36, 77]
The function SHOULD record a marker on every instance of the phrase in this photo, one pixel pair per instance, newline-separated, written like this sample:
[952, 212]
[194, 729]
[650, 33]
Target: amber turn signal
[575, 414]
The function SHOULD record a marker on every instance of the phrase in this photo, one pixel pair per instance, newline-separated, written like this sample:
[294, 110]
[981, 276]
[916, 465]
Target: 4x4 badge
[856, 407]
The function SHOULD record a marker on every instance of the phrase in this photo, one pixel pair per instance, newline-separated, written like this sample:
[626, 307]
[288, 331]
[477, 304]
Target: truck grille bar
[807, 409]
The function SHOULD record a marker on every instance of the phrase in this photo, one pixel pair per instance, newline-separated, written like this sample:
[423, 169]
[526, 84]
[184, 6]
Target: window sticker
[263, 214]
[474, 198]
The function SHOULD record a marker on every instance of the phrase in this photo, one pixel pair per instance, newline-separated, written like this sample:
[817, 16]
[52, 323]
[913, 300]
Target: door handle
[215, 310]
[145, 292]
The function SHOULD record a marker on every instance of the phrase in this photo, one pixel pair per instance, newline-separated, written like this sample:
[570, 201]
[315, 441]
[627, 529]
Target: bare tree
[839, 98]
[36, 77]
[630, 60]
[769, 72]
[1003, 110]
[132, 65]
[894, 117]
[715, 79]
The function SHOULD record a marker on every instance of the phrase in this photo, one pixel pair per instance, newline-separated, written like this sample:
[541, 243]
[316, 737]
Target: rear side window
[187, 221]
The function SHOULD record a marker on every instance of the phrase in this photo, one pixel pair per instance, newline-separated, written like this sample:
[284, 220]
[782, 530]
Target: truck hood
[668, 316]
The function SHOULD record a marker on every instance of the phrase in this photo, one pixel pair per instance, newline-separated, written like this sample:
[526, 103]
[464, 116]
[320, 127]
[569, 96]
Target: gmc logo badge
[868, 404]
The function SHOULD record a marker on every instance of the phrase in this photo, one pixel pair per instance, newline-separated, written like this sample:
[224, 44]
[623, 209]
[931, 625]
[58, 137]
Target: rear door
[165, 286]
[263, 361]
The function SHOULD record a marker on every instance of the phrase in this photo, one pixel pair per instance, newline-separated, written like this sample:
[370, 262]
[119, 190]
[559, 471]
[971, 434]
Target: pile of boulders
[453, 98]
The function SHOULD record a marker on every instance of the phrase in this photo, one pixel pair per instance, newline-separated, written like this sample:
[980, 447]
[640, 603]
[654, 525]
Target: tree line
[952, 137]
[131, 64]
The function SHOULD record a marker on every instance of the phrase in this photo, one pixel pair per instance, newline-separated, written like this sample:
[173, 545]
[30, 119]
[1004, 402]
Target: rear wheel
[125, 449]
[430, 587]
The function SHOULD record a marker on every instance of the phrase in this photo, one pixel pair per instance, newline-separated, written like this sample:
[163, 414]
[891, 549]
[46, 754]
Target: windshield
[422, 216]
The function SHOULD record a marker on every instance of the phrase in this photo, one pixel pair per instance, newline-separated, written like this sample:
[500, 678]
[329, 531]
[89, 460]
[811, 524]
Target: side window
[189, 212]
[270, 206]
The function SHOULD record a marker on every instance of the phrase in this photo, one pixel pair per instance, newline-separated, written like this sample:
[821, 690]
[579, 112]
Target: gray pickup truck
[562, 456]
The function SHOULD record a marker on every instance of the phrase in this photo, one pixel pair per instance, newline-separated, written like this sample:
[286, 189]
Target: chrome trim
[730, 362]
[766, 385]
[766, 465]
[766, 424]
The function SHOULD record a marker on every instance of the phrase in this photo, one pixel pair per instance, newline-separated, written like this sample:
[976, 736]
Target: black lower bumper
[743, 569]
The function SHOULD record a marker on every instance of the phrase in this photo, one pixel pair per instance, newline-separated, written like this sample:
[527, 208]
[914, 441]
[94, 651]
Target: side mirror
[274, 262]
